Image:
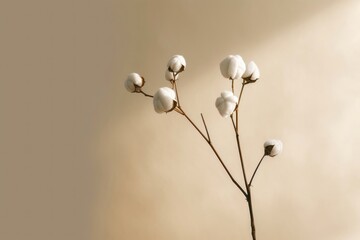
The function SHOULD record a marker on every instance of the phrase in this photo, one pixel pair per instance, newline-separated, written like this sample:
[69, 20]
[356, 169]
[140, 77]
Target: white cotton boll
[226, 103]
[252, 71]
[164, 100]
[232, 67]
[170, 76]
[273, 147]
[176, 64]
[134, 82]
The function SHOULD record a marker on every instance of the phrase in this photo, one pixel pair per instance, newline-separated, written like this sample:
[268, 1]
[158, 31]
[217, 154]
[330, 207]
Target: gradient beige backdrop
[82, 159]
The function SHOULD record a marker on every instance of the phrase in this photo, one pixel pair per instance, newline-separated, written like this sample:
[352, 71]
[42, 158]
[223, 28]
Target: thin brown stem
[252, 220]
[248, 190]
[256, 170]
[232, 120]
[241, 158]
[177, 95]
[194, 125]
[237, 107]
[232, 85]
[145, 94]
[207, 131]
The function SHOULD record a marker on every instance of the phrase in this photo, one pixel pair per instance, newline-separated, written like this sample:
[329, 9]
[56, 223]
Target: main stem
[248, 190]
[252, 221]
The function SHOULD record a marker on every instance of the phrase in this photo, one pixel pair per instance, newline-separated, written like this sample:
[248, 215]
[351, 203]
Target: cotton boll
[170, 76]
[226, 103]
[273, 147]
[232, 67]
[176, 64]
[134, 82]
[164, 100]
[252, 72]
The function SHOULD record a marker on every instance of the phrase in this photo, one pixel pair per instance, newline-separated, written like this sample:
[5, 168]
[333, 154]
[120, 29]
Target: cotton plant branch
[167, 99]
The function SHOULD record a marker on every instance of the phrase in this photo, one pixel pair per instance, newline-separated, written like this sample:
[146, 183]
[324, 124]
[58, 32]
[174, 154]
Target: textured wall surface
[82, 159]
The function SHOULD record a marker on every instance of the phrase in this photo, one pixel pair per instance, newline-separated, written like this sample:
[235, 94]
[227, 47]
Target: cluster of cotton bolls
[232, 67]
[166, 99]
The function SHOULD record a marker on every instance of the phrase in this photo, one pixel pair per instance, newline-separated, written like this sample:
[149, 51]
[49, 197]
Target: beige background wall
[80, 158]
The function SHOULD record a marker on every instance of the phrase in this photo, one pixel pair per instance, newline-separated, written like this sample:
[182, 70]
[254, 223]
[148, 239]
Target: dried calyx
[273, 147]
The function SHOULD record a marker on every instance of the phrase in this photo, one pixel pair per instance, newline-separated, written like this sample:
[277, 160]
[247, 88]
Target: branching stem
[208, 140]
[216, 153]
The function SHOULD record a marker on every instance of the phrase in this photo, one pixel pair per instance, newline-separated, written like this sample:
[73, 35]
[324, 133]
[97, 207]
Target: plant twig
[232, 120]
[237, 107]
[256, 170]
[207, 131]
[241, 158]
[232, 85]
[177, 95]
[145, 94]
